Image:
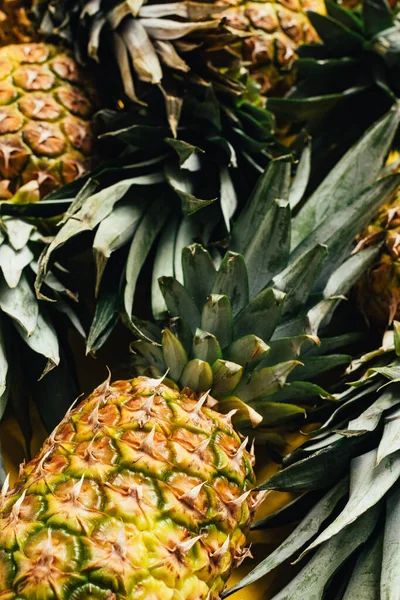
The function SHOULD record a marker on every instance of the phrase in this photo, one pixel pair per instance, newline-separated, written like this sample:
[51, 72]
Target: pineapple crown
[154, 45]
[244, 324]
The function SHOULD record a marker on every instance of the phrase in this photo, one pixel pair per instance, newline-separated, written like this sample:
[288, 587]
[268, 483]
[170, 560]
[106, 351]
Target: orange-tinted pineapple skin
[46, 110]
[141, 492]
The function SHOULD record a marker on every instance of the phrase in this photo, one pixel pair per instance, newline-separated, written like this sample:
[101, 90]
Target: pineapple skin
[46, 110]
[378, 290]
[141, 492]
[272, 32]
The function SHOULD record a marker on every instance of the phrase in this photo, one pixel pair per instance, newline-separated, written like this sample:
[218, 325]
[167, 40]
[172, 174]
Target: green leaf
[390, 576]
[390, 441]
[206, 346]
[151, 352]
[198, 273]
[18, 232]
[365, 580]
[368, 484]
[339, 230]
[265, 382]
[298, 278]
[275, 414]
[396, 337]
[163, 265]
[20, 304]
[315, 366]
[217, 318]
[300, 182]
[188, 231]
[377, 17]
[317, 573]
[197, 375]
[181, 183]
[337, 35]
[268, 250]
[13, 262]
[232, 281]
[272, 185]
[358, 168]
[298, 110]
[345, 16]
[182, 331]
[228, 197]
[184, 150]
[93, 211]
[247, 349]
[179, 303]
[261, 315]
[43, 340]
[304, 532]
[285, 349]
[302, 391]
[116, 230]
[345, 277]
[175, 356]
[317, 471]
[104, 320]
[370, 418]
[227, 376]
[146, 233]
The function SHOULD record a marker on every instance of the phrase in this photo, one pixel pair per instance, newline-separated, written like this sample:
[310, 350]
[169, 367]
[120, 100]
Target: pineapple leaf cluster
[347, 475]
[345, 82]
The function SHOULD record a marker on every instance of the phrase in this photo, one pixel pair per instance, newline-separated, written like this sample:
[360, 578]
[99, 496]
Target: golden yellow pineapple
[141, 492]
[271, 33]
[45, 118]
[378, 291]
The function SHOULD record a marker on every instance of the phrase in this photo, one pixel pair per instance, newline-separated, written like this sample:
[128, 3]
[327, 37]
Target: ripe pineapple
[378, 290]
[271, 32]
[46, 107]
[142, 492]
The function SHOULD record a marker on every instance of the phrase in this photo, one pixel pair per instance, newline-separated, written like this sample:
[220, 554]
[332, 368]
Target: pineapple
[377, 291]
[46, 140]
[142, 492]
[271, 32]
[46, 107]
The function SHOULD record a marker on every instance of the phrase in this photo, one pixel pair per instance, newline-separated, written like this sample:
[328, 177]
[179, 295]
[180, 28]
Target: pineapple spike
[239, 501]
[228, 417]
[148, 442]
[202, 400]
[219, 554]
[190, 496]
[76, 490]
[237, 457]
[15, 511]
[200, 448]
[147, 408]
[183, 547]
[103, 390]
[241, 556]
